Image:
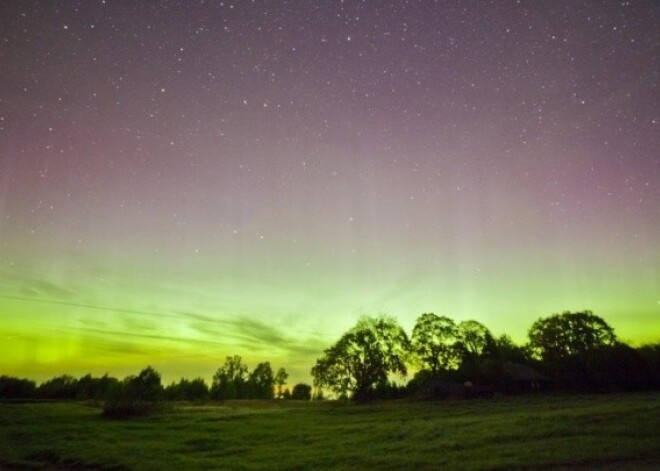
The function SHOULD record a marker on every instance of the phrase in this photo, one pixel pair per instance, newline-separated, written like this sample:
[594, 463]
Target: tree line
[232, 380]
[571, 351]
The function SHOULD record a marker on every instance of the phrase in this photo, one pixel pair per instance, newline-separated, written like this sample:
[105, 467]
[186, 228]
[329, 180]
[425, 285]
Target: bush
[302, 392]
[426, 386]
[127, 409]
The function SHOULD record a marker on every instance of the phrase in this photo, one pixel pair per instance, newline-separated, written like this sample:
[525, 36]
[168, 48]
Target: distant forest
[567, 352]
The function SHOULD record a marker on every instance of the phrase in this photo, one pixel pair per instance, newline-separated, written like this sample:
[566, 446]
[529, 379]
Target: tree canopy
[434, 342]
[280, 380]
[474, 342]
[145, 386]
[363, 358]
[188, 390]
[561, 336]
[261, 381]
[230, 380]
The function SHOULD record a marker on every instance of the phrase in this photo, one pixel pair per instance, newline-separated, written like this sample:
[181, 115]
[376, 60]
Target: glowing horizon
[55, 329]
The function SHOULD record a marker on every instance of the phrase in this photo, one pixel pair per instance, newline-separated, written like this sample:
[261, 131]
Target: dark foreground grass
[608, 431]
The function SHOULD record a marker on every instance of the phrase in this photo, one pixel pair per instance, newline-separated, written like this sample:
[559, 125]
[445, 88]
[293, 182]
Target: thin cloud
[88, 306]
[254, 334]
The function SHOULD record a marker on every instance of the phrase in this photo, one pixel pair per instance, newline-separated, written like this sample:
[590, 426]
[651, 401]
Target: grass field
[606, 431]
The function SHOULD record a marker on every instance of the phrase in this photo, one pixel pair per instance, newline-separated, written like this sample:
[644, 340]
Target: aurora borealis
[181, 181]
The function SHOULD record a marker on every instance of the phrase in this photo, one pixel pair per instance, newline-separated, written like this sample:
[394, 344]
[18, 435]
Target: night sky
[181, 181]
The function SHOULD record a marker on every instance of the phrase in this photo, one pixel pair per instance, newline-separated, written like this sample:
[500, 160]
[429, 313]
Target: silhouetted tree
[475, 344]
[60, 387]
[172, 392]
[196, 390]
[146, 386]
[363, 358]
[229, 382]
[86, 388]
[435, 341]
[651, 355]
[507, 350]
[617, 367]
[89, 387]
[17, 388]
[280, 380]
[474, 341]
[561, 336]
[261, 382]
[136, 396]
[187, 390]
[302, 392]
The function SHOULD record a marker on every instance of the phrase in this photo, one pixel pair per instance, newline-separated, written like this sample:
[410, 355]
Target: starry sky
[184, 180]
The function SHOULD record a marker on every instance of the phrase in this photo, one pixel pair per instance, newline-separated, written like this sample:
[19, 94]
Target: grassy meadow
[558, 432]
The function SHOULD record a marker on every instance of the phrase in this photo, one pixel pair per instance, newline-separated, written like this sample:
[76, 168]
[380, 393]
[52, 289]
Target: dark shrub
[302, 392]
[389, 390]
[426, 385]
[127, 409]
